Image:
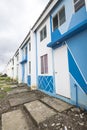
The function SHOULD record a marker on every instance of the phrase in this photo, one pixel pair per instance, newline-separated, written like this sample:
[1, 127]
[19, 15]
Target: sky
[16, 18]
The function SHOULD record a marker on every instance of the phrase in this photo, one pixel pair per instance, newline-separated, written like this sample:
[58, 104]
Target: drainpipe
[75, 85]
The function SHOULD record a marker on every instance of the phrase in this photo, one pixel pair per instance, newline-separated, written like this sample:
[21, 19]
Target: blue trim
[36, 60]
[70, 101]
[51, 26]
[29, 80]
[59, 97]
[24, 60]
[75, 30]
[78, 97]
[52, 56]
[54, 84]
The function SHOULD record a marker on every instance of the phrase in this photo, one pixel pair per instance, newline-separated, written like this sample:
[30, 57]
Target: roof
[49, 3]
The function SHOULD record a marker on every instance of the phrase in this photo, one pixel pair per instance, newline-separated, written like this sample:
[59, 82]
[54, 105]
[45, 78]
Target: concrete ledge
[39, 111]
[14, 120]
[56, 104]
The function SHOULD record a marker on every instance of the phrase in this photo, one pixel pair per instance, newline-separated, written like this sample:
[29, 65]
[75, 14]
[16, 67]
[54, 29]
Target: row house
[25, 60]
[53, 55]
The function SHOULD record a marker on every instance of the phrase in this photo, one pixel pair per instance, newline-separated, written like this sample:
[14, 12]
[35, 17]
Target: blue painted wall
[78, 17]
[78, 47]
[77, 58]
[74, 70]
[46, 83]
[81, 100]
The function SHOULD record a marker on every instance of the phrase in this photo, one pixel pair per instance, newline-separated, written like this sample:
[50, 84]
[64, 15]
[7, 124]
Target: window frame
[43, 33]
[59, 18]
[44, 64]
[80, 6]
[29, 46]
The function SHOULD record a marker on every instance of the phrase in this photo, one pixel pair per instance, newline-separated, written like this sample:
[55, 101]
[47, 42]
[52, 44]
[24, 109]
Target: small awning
[77, 29]
[23, 61]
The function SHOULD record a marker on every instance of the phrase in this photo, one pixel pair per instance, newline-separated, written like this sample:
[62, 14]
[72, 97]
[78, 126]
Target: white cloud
[16, 18]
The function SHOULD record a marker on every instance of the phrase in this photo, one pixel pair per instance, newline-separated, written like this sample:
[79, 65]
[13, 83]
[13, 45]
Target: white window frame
[42, 30]
[58, 17]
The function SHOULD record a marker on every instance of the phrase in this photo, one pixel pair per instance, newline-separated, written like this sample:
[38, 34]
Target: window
[43, 33]
[55, 22]
[29, 46]
[59, 18]
[17, 57]
[29, 67]
[44, 64]
[78, 4]
[25, 51]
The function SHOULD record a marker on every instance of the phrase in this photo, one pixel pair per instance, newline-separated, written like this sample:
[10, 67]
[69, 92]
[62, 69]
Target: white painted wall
[43, 49]
[20, 67]
[15, 68]
[33, 59]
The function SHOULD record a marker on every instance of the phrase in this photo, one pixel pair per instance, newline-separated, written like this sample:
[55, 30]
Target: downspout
[76, 87]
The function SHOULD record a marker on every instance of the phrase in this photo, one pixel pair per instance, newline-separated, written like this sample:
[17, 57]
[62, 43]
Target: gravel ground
[71, 119]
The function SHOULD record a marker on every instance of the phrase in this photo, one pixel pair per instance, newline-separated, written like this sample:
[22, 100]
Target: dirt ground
[71, 119]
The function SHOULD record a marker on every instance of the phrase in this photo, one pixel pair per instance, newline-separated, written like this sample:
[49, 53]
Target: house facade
[25, 60]
[53, 54]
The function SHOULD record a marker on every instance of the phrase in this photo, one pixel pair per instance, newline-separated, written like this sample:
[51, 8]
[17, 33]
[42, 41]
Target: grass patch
[2, 95]
[7, 89]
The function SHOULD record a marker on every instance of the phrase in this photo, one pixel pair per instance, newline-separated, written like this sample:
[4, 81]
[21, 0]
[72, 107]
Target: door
[61, 71]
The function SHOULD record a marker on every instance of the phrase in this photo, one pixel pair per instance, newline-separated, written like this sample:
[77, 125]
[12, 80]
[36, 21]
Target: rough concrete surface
[14, 120]
[56, 104]
[39, 111]
[21, 100]
[18, 90]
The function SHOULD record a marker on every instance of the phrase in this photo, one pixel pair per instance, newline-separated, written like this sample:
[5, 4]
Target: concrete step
[22, 99]
[56, 104]
[39, 111]
[17, 91]
[14, 120]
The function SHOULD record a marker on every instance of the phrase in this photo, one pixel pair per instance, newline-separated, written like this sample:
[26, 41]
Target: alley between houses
[25, 109]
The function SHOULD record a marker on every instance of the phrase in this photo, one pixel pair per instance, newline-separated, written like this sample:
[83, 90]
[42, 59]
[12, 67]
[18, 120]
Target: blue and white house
[53, 54]
[61, 50]
[25, 60]
[16, 65]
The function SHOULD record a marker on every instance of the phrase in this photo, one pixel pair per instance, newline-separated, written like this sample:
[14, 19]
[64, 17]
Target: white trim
[77, 64]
